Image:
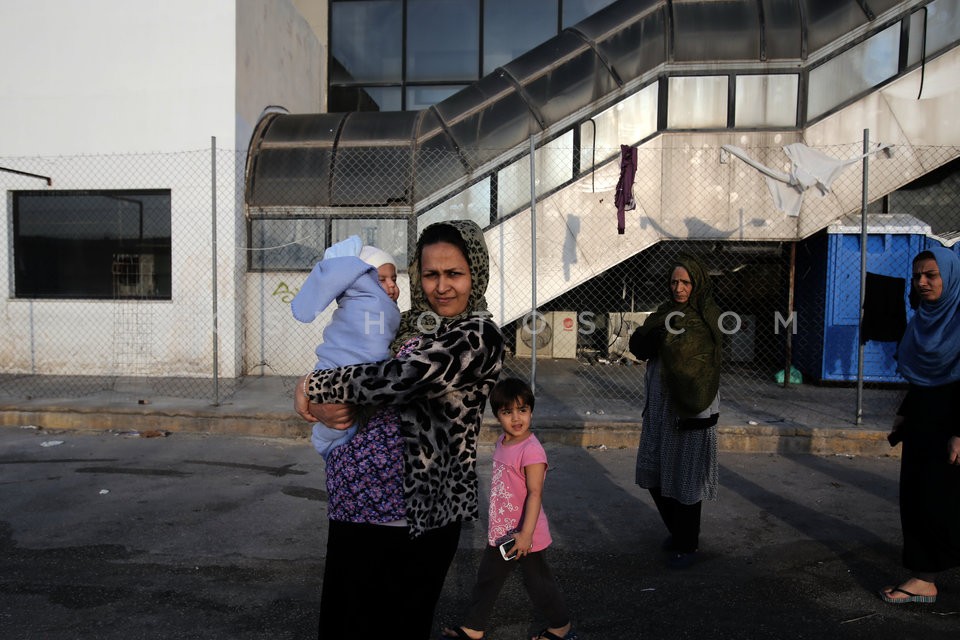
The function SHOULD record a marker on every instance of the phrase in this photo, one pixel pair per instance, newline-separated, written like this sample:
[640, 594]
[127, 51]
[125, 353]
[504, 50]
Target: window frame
[158, 285]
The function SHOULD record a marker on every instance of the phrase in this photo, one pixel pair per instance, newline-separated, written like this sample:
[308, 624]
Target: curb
[782, 439]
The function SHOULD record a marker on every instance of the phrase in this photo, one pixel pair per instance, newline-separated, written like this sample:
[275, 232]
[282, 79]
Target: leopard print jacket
[441, 389]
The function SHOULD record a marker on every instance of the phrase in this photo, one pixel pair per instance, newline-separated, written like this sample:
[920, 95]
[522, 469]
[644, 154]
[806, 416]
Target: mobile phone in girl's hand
[508, 549]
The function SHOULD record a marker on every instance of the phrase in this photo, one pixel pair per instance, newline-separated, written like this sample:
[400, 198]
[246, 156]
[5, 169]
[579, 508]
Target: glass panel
[554, 163]
[471, 204]
[632, 49]
[781, 24]
[387, 234]
[576, 10]
[943, 24]
[386, 98]
[285, 245]
[289, 175]
[557, 90]
[627, 122]
[728, 30]
[289, 127]
[513, 187]
[374, 174]
[349, 99]
[879, 6]
[366, 40]
[513, 27]
[487, 118]
[436, 160]
[443, 40]
[766, 101]
[854, 71]
[92, 244]
[423, 97]
[916, 37]
[286, 176]
[697, 102]
[828, 20]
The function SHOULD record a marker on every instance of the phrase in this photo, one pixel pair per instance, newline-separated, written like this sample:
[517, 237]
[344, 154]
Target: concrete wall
[128, 94]
[280, 63]
[116, 76]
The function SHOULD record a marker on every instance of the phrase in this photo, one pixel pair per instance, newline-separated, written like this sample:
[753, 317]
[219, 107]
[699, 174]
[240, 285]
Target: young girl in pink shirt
[516, 489]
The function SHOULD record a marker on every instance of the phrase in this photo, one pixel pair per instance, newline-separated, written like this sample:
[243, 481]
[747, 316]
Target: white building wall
[279, 64]
[128, 94]
[116, 76]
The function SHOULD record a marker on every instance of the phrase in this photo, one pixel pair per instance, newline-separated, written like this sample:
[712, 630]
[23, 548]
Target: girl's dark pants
[537, 578]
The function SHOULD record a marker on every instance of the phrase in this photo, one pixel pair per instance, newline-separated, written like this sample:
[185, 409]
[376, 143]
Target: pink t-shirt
[508, 490]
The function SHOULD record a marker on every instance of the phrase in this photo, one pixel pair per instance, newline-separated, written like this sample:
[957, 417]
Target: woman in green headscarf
[400, 489]
[677, 457]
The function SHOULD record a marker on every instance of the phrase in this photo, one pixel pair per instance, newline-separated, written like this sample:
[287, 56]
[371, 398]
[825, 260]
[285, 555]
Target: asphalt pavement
[110, 534]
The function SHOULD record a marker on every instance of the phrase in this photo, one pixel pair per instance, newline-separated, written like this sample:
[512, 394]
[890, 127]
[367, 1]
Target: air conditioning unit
[620, 327]
[556, 335]
[133, 275]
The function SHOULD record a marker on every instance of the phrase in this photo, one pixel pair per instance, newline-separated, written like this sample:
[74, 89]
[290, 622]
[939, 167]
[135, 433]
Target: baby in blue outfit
[363, 281]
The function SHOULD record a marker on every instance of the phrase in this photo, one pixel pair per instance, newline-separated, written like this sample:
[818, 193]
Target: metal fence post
[863, 271]
[213, 253]
[533, 264]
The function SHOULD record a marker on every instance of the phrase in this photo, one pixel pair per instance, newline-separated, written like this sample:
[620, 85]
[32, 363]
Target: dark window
[443, 37]
[513, 27]
[366, 41]
[422, 97]
[576, 10]
[92, 244]
[392, 55]
[286, 245]
[343, 99]
[296, 244]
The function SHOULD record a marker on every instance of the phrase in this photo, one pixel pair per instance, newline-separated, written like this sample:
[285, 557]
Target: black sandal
[460, 634]
[546, 634]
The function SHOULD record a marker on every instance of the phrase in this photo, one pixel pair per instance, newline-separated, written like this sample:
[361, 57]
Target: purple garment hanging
[624, 198]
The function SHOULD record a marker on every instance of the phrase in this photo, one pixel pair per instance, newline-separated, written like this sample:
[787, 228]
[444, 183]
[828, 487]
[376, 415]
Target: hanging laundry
[624, 195]
[808, 168]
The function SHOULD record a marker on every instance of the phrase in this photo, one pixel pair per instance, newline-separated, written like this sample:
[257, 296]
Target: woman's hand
[335, 416]
[301, 402]
[953, 448]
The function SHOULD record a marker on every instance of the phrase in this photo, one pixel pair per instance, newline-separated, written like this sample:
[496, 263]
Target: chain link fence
[111, 262]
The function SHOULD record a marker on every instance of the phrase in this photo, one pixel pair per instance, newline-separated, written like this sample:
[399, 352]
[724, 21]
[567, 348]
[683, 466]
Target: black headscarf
[686, 337]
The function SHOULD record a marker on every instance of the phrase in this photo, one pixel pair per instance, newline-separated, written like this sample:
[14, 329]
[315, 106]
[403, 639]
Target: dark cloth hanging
[624, 197]
[884, 310]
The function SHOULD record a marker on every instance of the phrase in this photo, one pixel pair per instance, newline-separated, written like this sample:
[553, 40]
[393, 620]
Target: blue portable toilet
[827, 295]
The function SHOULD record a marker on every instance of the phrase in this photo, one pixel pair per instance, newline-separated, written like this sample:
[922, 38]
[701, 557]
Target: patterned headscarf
[690, 353]
[929, 353]
[421, 317]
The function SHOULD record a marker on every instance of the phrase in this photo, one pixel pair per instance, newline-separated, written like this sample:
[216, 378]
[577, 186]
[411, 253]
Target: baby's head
[386, 269]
